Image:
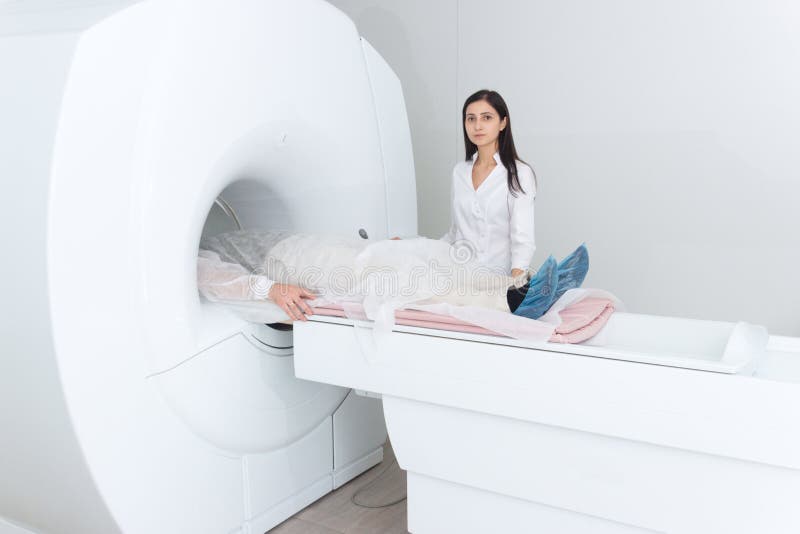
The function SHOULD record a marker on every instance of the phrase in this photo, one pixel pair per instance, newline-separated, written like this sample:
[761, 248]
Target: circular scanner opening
[240, 392]
[254, 202]
[221, 218]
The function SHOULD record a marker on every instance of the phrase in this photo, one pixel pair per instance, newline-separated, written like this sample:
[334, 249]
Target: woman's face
[483, 123]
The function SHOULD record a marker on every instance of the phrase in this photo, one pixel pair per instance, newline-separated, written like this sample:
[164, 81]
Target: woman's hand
[517, 272]
[292, 300]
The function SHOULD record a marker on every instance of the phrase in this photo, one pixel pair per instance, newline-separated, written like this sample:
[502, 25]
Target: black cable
[369, 484]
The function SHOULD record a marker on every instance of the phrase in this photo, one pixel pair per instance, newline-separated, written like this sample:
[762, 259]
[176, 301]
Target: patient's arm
[220, 280]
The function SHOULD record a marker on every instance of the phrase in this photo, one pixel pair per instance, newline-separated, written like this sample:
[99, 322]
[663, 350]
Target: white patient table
[499, 435]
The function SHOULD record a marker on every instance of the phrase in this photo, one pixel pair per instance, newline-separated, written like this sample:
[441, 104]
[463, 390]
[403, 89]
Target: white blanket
[381, 276]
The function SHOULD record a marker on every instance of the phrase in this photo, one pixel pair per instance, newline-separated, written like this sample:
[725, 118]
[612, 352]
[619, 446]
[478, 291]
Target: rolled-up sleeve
[521, 227]
[221, 280]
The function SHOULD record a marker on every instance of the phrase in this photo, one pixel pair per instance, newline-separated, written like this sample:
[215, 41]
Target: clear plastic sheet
[370, 279]
[426, 272]
[231, 272]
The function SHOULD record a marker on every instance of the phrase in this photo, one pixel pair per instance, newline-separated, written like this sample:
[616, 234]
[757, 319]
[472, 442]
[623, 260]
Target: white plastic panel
[398, 157]
[728, 415]
[676, 342]
[243, 399]
[34, 71]
[558, 480]
[669, 341]
[358, 430]
[436, 505]
[782, 360]
[271, 478]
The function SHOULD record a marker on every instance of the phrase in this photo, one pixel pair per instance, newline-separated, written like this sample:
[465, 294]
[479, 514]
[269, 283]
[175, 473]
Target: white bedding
[379, 276]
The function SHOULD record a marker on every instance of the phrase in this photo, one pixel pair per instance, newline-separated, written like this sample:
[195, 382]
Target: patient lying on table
[257, 265]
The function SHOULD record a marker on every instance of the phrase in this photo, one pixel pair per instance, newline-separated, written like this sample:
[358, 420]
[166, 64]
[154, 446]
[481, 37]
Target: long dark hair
[505, 141]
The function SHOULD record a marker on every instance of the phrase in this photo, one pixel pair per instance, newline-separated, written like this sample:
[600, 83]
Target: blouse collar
[496, 157]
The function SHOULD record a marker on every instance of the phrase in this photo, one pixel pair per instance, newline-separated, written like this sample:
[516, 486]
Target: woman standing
[492, 190]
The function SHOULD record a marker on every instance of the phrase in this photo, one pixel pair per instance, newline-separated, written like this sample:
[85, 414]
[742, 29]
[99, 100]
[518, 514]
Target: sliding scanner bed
[626, 432]
[716, 346]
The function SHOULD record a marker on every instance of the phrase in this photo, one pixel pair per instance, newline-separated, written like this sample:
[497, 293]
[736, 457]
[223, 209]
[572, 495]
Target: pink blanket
[582, 320]
[579, 321]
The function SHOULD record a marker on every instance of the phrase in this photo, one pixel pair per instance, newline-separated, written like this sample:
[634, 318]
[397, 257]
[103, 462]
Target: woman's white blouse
[495, 224]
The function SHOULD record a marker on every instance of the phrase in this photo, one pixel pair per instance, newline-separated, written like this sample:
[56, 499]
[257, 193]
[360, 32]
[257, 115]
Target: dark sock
[515, 296]
[541, 290]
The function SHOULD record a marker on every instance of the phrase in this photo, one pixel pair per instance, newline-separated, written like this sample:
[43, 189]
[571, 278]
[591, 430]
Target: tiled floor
[336, 514]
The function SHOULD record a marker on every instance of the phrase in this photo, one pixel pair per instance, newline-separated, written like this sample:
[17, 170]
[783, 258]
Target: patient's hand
[292, 299]
[517, 272]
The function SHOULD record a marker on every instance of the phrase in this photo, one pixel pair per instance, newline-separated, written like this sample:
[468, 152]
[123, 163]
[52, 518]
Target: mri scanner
[127, 403]
[130, 405]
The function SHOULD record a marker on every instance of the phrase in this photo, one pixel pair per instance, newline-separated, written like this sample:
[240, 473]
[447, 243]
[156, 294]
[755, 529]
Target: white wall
[20, 17]
[666, 135]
